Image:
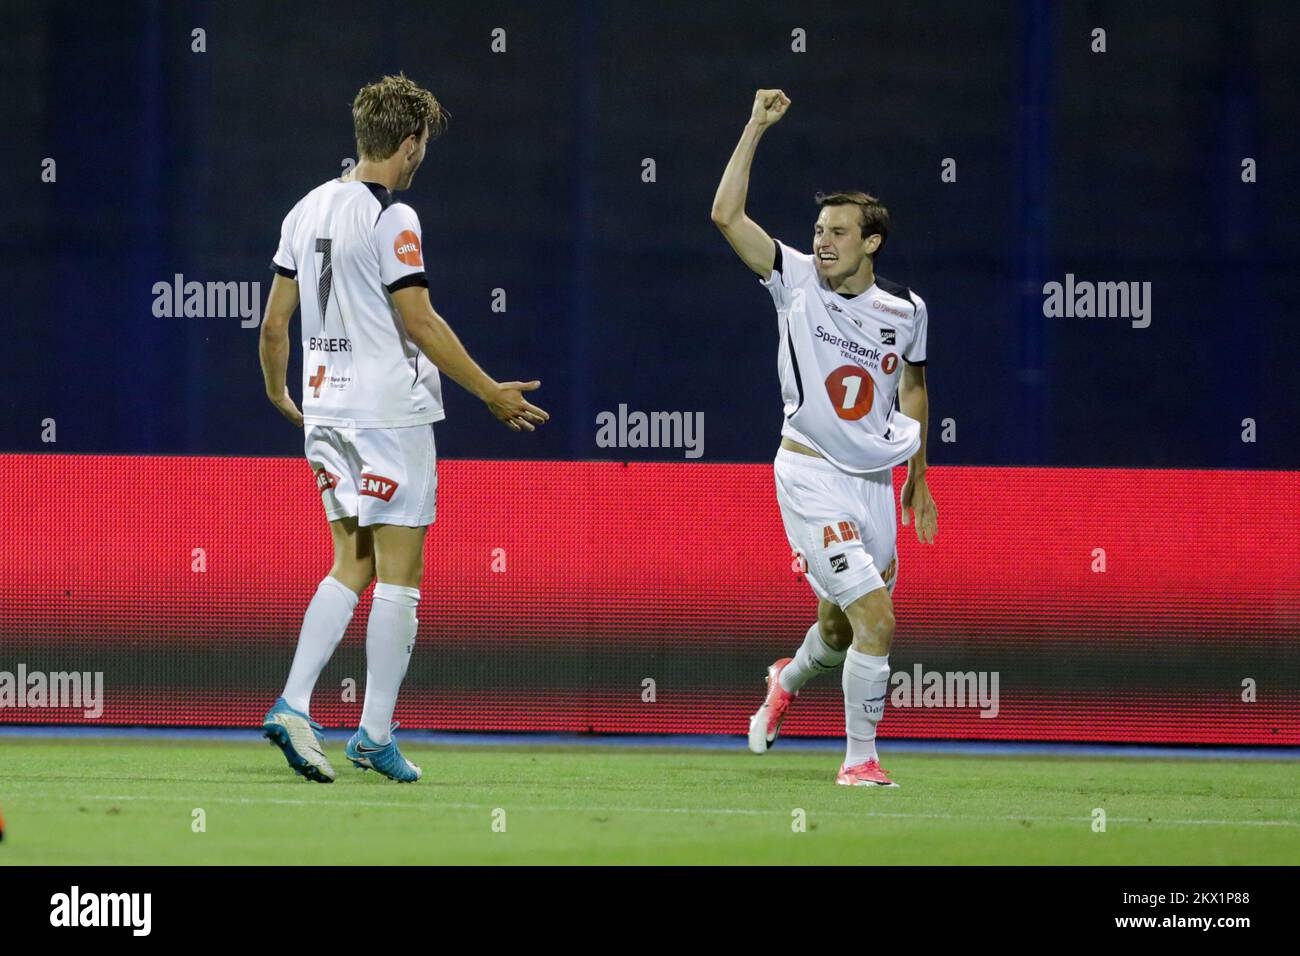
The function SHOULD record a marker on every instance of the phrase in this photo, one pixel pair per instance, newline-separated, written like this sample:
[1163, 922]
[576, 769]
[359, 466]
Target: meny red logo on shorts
[377, 486]
[326, 480]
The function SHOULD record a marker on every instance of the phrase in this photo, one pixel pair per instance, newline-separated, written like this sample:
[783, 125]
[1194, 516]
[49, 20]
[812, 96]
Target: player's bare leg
[866, 685]
[390, 638]
[823, 649]
[288, 724]
[354, 554]
[399, 554]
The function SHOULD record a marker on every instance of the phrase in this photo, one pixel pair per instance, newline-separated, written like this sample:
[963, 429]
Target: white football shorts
[377, 475]
[843, 525]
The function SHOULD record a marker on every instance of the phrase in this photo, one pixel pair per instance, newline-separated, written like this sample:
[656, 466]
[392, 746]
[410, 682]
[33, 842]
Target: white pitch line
[701, 811]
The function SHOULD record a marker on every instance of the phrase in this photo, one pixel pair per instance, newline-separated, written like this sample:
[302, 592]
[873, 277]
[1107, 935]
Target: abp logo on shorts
[407, 248]
[848, 532]
[377, 486]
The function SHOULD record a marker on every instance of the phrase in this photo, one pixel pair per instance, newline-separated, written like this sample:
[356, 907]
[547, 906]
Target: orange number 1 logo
[852, 392]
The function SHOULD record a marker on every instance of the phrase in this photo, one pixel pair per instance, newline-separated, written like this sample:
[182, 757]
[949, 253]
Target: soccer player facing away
[351, 256]
[847, 335]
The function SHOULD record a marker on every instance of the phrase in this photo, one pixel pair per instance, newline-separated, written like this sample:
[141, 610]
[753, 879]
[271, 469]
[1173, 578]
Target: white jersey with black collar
[350, 246]
[839, 361]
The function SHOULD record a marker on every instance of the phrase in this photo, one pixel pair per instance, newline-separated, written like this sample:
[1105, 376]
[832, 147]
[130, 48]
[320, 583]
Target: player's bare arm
[437, 341]
[273, 348]
[914, 402]
[748, 238]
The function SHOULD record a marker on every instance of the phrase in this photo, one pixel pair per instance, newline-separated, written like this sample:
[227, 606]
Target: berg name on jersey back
[840, 361]
[350, 246]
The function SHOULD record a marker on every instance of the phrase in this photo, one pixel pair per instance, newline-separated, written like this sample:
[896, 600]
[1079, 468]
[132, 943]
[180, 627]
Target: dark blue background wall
[1123, 166]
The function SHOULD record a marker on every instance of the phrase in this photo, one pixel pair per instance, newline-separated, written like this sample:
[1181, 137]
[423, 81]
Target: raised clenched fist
[769, 107]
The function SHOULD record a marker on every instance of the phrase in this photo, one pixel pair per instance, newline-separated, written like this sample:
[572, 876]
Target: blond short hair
[391, 109]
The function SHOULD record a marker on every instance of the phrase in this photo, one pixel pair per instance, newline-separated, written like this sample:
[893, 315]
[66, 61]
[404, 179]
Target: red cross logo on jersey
[317, 380]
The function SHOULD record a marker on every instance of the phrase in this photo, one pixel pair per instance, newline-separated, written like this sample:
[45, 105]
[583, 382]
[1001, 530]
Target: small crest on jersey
[888, 336]
[377, 486]
[326, 480]
[839, 562]
[834, 307]
[407, 248]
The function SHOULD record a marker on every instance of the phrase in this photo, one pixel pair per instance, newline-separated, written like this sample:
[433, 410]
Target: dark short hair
[875, 217]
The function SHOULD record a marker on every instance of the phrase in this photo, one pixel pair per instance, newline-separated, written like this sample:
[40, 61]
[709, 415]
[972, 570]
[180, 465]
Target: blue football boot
[300, 740]
[387, 760]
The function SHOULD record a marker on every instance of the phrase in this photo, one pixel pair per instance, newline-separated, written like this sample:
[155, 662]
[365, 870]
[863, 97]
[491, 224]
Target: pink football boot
[869, 774]
[766, 723]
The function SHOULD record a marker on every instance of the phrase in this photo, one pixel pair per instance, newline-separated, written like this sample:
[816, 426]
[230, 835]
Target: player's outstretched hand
[286, 407]
[769, 107]
[916, 497]
[509, 405]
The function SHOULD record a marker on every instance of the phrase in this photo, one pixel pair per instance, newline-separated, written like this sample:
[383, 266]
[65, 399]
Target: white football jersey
[839, 361]
[350, 245]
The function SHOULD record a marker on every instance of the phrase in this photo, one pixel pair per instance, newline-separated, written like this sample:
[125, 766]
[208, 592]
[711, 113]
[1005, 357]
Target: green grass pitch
[132, 801]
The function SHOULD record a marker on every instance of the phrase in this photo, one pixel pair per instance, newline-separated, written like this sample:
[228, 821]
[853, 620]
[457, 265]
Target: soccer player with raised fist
[851, 343]
[351, 255]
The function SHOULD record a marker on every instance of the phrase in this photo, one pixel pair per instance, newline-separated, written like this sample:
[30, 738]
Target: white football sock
[323, 625]
[390, 636]
[814, 657]
[866, 685]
